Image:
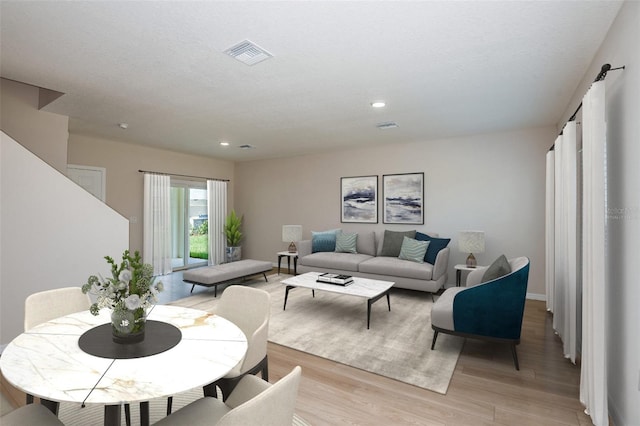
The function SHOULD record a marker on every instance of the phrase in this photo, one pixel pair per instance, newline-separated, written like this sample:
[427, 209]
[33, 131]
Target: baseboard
[535, 296]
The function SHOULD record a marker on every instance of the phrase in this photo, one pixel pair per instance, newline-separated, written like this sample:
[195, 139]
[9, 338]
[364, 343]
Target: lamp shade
[471, 241]
[291, 233]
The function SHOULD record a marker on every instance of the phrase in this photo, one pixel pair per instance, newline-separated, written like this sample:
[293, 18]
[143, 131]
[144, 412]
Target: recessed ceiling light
[123, 125]
[224, 143]
[378, 104]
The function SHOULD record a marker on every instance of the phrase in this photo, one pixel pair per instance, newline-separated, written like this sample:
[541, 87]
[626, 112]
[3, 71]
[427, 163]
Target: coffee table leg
[286, 296]
[372, 301]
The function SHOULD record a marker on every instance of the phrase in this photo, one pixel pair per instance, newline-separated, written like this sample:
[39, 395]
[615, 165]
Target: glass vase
[128, 326]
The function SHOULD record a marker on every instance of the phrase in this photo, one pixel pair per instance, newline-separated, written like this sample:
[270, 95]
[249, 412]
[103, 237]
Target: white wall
[621, 47]
[494, 183]
[53, 233]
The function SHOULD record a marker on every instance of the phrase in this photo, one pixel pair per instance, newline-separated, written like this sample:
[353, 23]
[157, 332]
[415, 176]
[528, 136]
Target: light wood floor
[485, 388]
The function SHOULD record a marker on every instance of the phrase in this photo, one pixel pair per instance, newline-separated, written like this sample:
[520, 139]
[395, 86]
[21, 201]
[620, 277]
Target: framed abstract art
[359, 199]
[403, 198]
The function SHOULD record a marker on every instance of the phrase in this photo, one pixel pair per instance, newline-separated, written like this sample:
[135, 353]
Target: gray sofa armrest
[441, 264]
[304, 248]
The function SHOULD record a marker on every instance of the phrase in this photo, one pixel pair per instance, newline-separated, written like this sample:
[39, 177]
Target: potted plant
[234, 235]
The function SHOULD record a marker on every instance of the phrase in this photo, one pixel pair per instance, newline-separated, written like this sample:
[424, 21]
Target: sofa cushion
[394, 267]
[413, 250]
[323, 241]
[500, 267]
[392, 242]
[366, 243]
[331, 260]
[435, 245]
[346, 243]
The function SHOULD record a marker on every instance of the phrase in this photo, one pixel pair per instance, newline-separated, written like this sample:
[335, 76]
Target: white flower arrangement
[131, 286]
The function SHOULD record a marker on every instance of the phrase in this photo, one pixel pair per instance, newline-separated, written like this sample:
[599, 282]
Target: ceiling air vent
[246, 146]
[387, 125]
[248, 53]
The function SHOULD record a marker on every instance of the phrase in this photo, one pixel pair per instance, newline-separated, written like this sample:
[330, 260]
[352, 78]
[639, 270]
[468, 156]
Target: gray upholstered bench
[224, 273]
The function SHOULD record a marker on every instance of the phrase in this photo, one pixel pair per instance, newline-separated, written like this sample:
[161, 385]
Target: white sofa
[368, 263]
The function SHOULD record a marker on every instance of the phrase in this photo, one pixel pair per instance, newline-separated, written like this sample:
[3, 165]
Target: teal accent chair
[491, 311]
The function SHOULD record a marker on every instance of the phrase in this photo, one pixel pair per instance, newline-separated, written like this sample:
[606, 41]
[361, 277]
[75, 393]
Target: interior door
[93, 179]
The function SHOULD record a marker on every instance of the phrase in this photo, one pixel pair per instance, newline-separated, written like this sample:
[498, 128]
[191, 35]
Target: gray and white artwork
[359, 199]
[404, 198]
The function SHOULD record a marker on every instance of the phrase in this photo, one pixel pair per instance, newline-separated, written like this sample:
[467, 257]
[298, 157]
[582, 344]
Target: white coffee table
[371, 290]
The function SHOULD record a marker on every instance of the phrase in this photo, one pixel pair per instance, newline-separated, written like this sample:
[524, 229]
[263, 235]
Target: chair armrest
[475, 277]
[304, 248]
[441, 264]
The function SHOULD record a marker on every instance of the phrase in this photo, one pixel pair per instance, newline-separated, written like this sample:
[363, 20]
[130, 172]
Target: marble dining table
[48, 362]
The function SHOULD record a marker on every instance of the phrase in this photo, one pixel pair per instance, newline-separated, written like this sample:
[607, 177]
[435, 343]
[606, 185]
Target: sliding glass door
[189, 224]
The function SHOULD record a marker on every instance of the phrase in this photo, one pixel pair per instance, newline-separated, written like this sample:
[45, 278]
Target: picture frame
[359, 199]
[403, 198]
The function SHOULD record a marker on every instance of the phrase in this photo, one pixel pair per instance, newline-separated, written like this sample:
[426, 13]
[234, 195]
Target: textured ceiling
[444, 69]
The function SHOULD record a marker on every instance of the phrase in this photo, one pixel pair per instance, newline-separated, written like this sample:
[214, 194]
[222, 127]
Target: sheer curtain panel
[156, 247]
[565, 303]
[593, 375]
[550, 231]
[217, 210]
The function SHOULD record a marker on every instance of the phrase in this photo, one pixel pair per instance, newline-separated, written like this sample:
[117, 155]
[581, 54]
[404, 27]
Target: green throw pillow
[499, 268]
[392, 242]
[346, 243]
[413, 250]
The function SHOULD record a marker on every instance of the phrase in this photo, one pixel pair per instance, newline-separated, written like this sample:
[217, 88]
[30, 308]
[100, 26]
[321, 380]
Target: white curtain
[565, 303]
[217, 209]
[156, 248]
[550, 230]
[593, 375]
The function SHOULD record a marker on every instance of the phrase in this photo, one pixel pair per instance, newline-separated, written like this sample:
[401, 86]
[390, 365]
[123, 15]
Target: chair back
[274, 406]
[250, 309]
[49, 304]
[494, 308]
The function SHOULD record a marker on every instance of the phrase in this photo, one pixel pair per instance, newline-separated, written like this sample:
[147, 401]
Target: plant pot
[233, 254]
[128, 326]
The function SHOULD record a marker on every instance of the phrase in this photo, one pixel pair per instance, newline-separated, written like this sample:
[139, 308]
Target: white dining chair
[49, 304]
[250, 309]
[30, 415]
[252, 402]
[46, 305]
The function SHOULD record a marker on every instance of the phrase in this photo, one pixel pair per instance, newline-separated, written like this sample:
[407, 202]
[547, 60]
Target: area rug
[333, 326]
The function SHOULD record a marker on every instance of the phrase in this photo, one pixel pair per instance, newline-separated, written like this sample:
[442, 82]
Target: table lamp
[291, 234]
[471, 242]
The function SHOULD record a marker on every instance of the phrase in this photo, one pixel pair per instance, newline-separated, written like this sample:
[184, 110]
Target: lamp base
[292, 247]
[471, 261]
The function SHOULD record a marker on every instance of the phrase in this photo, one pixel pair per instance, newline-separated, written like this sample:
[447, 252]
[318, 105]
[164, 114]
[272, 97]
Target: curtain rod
[187, 176]
[601, 76]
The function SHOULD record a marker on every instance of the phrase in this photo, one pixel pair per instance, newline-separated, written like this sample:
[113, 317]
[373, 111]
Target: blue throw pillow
[435, 245]
[323, 241]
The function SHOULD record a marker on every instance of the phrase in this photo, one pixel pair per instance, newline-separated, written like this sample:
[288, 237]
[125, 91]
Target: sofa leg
[515, 356]
[433, 342]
